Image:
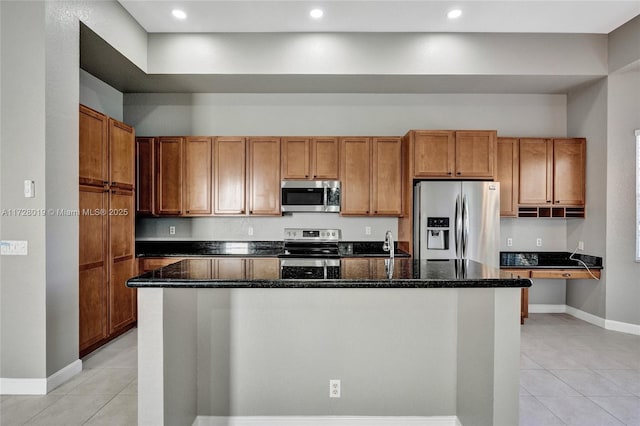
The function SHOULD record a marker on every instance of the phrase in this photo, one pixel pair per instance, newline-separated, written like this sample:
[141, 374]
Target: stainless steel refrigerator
[457, 220]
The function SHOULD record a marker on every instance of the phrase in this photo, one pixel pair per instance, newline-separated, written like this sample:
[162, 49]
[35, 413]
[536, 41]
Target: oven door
[309, 269]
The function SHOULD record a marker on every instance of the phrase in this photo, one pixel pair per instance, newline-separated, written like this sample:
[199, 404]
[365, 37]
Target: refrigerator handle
[457, 227]
[465, 226]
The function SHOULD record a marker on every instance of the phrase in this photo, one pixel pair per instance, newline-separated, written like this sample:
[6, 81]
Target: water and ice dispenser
[437, 233]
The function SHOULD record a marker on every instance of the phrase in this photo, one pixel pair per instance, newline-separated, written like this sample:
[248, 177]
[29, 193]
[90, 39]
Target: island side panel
[488, 356]
[180, 356]
[271, 352]
[150, 357]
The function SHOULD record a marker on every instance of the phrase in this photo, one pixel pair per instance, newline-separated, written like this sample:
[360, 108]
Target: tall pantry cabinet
[107, 219]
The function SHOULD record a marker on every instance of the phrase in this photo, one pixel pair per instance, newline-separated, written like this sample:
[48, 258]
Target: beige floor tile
[131, 389]
[590, 383]
[70, 410]
[75, 381]
[624, 408]
[120, 411]
[106, 381]
[18, 409]
[579, 411]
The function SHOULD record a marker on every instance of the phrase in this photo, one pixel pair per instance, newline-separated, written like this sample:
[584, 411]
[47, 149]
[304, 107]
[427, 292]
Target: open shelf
[551, 212]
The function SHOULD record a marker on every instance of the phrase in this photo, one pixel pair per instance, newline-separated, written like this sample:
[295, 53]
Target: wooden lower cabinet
[219, 267]
[524, 292]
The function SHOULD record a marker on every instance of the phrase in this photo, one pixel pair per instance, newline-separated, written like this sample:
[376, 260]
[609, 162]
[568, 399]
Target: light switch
[29, 189]
[13, 248]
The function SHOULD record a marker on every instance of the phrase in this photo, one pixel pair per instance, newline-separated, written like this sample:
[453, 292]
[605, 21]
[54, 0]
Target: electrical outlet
[334, 388]
[172, 230]
[250, 230]
[539, 242]
[367, 230]
[509, 242]
[580, 245]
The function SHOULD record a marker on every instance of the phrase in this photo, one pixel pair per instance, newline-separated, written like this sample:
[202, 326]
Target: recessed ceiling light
[177, 13]
[455, 13]
[316, 13]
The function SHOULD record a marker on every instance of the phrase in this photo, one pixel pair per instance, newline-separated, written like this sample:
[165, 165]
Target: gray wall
[587, 116]
[40, 142]
[98, 95]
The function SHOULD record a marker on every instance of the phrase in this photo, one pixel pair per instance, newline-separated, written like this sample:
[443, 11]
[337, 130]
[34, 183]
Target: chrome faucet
[388, 244]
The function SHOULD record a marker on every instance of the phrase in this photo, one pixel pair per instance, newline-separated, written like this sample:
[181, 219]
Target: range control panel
[304, 234]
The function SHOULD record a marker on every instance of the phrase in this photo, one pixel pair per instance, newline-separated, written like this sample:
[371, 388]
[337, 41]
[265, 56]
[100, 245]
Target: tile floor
[572, 373]
[104, 393]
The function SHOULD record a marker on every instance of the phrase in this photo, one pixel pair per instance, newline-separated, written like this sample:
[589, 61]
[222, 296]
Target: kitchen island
[414, 341]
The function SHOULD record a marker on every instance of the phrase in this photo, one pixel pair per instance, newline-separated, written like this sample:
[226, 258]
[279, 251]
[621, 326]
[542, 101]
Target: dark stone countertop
[354, 273]
[169, 248]
[547, 260]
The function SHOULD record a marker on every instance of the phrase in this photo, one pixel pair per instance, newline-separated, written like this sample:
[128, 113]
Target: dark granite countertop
[354, 273]
[249, 249]
[547, 260]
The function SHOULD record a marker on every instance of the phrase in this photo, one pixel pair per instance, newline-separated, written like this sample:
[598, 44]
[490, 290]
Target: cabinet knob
[449, 173]
[548, 201]
[566, 275]
[306, 176]
[458, 173]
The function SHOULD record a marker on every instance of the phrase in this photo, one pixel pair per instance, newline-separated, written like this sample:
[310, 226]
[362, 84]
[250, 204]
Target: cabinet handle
[306, 176]
[557, 201]
[566, 275]
[458, 173]
[449, 173]
[548, 201]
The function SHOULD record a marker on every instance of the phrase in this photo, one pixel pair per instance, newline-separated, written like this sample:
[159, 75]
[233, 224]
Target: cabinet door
[569, 157]
[475, 154]
[386, 177]
[295, 158]
[93, 258]
[264, 176]
[324, 158]
[169, 183]
[508, 176]
[264, 268]
[434, 153]
[122, 299]
[536, 171]
[93, 146]
[231, 268]
[145, 176]
[229, 173]
[355, 172]
[121, 155]
[197, 176]
[355, 268]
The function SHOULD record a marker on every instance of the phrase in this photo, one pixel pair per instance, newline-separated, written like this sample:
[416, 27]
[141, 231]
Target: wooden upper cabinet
[169, 176]
[229, 170]
[475, 154]
[324, 158]
[508, 175]
[296, 154]
[569, 164]
[310, 158]
[386, 176]
[264, 176]
[355, 173]
[93, 147]
[536, 171]
[145, 175]
[434, 153]
[121, 155]
[197, 176]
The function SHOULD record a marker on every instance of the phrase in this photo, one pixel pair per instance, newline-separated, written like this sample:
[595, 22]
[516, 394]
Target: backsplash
[263, 228]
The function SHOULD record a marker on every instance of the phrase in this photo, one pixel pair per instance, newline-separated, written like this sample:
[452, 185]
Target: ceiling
[519, 16]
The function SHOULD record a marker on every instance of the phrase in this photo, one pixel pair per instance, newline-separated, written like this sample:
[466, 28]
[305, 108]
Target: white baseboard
[547, 309]
[623, 327]
[586, 316]
[327, 421]
[10, 386]
[61, 376]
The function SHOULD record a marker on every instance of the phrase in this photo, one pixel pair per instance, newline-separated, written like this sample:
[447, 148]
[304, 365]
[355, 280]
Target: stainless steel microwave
[310, 196]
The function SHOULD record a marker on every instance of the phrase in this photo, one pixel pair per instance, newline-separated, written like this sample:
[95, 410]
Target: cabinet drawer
[567, 274]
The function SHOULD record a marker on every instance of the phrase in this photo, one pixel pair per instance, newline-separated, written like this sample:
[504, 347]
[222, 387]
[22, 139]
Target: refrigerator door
[481, 222]
[435, 219]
